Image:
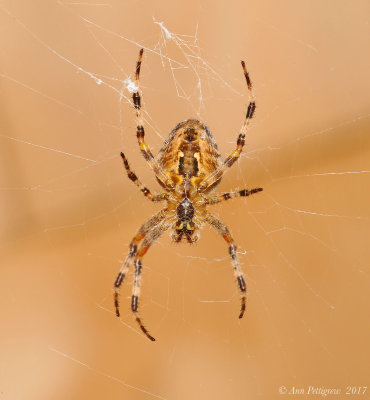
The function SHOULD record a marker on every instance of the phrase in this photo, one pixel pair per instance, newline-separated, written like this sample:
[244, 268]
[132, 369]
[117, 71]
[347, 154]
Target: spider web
[69, 211]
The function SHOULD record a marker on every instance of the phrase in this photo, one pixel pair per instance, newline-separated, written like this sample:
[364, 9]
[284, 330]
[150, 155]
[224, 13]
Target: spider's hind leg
[235, 154]
[230, 160]
[140, 132]
[132, 176]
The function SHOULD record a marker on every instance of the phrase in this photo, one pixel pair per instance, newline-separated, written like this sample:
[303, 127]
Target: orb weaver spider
[188, 168]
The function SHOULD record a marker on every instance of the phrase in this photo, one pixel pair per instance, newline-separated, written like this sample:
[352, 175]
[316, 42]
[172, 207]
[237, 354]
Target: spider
[188, 167]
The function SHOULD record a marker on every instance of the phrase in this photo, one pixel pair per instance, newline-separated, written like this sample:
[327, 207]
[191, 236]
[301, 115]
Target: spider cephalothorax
[188, 167]
[185, 227]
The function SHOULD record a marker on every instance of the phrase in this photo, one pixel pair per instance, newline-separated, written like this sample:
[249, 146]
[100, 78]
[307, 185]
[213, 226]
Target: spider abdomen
[188, 159]
[189, 167]
[191, 150]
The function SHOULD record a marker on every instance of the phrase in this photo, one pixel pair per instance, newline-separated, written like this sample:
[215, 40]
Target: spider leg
[142, 232]
[231, 195]
[140, 132]
[234, 155]
[147, 193]
[151, 237]
[222, 229]
[248, 116]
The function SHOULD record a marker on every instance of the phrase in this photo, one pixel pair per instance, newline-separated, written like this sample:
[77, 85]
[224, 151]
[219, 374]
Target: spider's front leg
[151, 237]
[138, 238]
[222, 229]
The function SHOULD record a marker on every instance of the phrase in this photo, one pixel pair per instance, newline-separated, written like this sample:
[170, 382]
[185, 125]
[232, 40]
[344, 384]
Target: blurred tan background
[69, 212]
